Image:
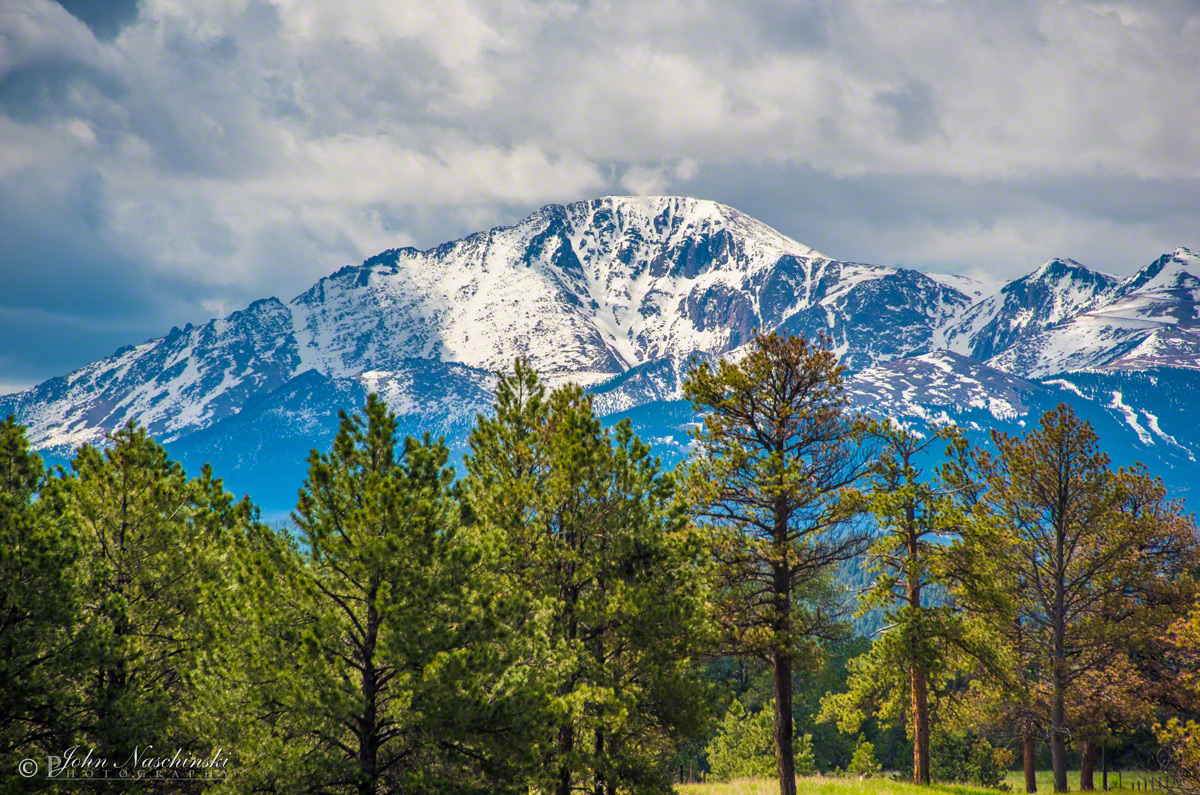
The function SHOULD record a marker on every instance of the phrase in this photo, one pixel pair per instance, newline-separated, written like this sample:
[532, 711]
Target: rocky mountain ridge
[620, 294]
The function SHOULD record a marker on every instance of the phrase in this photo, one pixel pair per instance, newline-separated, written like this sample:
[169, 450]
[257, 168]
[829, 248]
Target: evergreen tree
[248, 673]
[778, 457]
[403, 678]
[155, 543]
[744, 746]
[863, 762]
[966, 758]
[920, 517]
[592, 531]
[1086, 546]
[40, 603]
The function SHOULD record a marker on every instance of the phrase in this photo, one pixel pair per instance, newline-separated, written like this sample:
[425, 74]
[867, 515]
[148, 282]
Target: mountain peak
[1058, 290]
[675, 216]
[1175, 271]
[1060, 267]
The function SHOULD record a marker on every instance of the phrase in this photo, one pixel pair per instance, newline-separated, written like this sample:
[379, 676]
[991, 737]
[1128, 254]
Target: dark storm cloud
[915, 106]
[988, 228]
[164, 163]
[105, 18]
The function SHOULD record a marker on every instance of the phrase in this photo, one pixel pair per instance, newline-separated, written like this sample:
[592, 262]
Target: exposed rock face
[621, 294]
[586, 291]
[1150, 319]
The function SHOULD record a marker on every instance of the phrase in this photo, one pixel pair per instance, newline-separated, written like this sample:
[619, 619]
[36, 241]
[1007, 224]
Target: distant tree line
[561, 615]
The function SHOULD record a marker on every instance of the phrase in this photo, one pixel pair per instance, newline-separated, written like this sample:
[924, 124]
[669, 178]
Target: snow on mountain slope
[180, 382]
[591, 289]
[1059, 290]
[586, 291]
[1148, 319]
[925, 386]
[1171, 274]
[1156, 404]
[975, 289]
[1171, 346]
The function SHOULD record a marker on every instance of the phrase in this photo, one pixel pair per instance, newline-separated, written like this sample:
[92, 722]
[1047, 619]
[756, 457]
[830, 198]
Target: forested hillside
[810, 590]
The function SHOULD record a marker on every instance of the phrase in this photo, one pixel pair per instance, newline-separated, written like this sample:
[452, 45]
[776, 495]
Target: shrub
[863, 761]
[744, 746]
[965, 758]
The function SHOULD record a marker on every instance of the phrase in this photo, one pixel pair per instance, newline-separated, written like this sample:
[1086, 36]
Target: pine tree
[778, 457]
[1086, 546]
[744, 746]
[592, 531]
[927, 639]
[863, 762]
[40, 602]
[403, 677]
[155, 542]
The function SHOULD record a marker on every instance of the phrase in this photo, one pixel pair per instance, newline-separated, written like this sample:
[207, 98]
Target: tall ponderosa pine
[1086, 545]
[778, 457]
[248, 674]
[153, 545]
[1012, 702]
[155, 542]
[41, 656]
[920, 517]
[592, 531]
[404, 680]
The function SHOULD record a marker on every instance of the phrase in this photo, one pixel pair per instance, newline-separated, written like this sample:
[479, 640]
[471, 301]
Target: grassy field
[819, 785]
[1045, 780]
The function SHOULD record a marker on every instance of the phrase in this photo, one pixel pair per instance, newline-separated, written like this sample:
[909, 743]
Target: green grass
[820, 785]
[1045, 780]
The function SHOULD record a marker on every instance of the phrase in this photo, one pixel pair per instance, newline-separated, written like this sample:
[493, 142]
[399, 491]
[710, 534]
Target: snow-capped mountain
[929, 385]
[621, 294]
[1149, 319]
[585, 291]
[1059, 290]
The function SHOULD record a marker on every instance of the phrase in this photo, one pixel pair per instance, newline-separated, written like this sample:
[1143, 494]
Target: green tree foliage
[744, 746]
[536, 626]
[248, 675]
[831, 748]
[40, 606]
[772, 482]
[920, 517]
[591, 529]
[397, 675]
[1085, 549]
[963, 757]
[863, 762]
[155, 543]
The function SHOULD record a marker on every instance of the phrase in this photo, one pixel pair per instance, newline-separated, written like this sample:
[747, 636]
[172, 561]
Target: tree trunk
[566, 744]
[1058, 740]
[919, 692]
[1087, 766]
[920, 722]
[1028, 758]
[368, 746]
[566, 732]
[1058, 696]
[599, 787]
[785, 762]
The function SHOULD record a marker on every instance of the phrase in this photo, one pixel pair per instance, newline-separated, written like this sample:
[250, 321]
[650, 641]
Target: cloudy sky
[166, 161]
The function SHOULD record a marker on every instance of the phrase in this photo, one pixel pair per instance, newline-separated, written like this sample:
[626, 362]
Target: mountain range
[619, 294]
